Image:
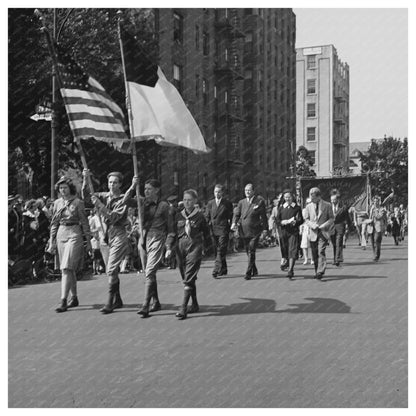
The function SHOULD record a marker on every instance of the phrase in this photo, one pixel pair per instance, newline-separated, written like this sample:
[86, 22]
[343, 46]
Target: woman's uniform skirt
[70, 247]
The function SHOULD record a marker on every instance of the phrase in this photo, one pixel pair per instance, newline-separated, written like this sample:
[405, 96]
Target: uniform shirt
[157, 216]
[199, 229]
[69, 212]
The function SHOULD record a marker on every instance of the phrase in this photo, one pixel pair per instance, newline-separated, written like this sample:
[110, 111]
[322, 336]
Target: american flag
[91, 111]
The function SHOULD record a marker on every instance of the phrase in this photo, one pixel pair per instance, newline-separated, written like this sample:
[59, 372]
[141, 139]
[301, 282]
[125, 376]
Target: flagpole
[132, 144]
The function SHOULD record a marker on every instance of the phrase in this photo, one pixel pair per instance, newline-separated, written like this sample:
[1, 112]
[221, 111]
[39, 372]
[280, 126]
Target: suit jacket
[341, 218]
[379, 218]
[251, 216]
[219, 218]
[324, 218]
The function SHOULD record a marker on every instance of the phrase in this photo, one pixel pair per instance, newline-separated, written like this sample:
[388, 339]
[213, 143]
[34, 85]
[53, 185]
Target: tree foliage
[90, 36]
[304, 163]
[387, 163]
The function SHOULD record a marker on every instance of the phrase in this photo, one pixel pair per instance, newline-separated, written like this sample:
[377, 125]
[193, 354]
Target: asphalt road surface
[266, 343]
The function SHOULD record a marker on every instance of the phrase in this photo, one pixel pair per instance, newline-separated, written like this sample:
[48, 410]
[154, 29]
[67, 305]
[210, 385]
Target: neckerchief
[187, 222]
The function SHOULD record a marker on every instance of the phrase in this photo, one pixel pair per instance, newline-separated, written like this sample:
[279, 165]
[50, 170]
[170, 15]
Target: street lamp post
[54, 122]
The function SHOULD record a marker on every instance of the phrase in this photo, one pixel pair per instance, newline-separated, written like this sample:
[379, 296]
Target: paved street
[268, 342]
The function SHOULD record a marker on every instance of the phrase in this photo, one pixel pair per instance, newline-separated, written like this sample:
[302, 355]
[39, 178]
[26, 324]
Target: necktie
[188, 227]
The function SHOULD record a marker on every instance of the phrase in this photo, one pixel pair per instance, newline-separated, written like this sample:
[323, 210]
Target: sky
[374, 43]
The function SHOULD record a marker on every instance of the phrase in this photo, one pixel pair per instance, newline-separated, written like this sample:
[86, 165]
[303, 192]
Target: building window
[205, 91]
[311, 61]
[177, 28]
[196, 37]
[311, 112]
[248, 74]
[226, 97]
[226, 54]
[311, 86]
[215, 91]
[312, 156]
[249, 37]
[177, 77]
[205, 43]
[235, 61]
[196, 85]
[311, 134]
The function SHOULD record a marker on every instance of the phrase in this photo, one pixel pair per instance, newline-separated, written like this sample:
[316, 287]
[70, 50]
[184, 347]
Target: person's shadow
[256, 305]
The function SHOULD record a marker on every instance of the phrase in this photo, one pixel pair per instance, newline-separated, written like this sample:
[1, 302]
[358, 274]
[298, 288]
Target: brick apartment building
[235, 69]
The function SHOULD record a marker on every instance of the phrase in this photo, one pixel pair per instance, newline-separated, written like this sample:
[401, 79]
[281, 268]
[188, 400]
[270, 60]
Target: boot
[108, 307]
[63, 306]
[182, 311]
[144, 311]
[194, 308]
[73, 302]
[118, 303]
[156, 306]
[290, 273]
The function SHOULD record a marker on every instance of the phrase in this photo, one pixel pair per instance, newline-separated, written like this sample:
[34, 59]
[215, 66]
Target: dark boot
[194, 308]
[73, 302]
[144, 311]
[156, 306]
[63, 307]
[186, 295]
[118, 303]
[109, 306]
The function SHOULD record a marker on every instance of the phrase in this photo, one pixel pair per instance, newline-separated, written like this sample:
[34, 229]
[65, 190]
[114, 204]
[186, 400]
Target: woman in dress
[69, 225]
[190, 230]
[305, 243]
[289, 218]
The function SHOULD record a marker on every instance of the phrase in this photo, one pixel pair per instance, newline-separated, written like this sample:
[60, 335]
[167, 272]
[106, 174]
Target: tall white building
[322, 108]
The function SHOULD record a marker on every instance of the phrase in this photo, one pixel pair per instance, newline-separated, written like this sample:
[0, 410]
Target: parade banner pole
[133, 147]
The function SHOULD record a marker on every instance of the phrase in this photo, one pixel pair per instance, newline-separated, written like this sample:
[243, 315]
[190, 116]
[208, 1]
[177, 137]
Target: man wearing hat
[218, 214]
[319, 217]
[112, 208]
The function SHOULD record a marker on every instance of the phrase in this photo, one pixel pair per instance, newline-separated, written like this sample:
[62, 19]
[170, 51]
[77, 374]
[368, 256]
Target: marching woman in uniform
[190, 231]
[289, 218]
[69, 225]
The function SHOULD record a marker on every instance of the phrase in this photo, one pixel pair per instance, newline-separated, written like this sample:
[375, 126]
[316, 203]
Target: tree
[386, 162]
[90, 36]
[304, 163]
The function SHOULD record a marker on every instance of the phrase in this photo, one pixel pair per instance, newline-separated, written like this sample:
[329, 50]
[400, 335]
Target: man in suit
[319, 218]
[218, 214]
[341, 221]
[250, 214]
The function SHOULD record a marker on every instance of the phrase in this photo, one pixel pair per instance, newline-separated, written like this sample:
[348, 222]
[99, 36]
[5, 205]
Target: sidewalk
[268, 342]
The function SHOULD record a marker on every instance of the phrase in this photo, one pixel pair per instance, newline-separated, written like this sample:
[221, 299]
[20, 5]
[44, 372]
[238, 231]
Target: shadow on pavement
[361, 263]
[352, 276]
[318, 305]
[253, 306]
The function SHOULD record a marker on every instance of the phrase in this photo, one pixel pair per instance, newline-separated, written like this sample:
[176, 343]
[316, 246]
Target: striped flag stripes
[92, 113]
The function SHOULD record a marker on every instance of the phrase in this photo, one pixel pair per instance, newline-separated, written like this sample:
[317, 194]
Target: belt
[68, 224]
